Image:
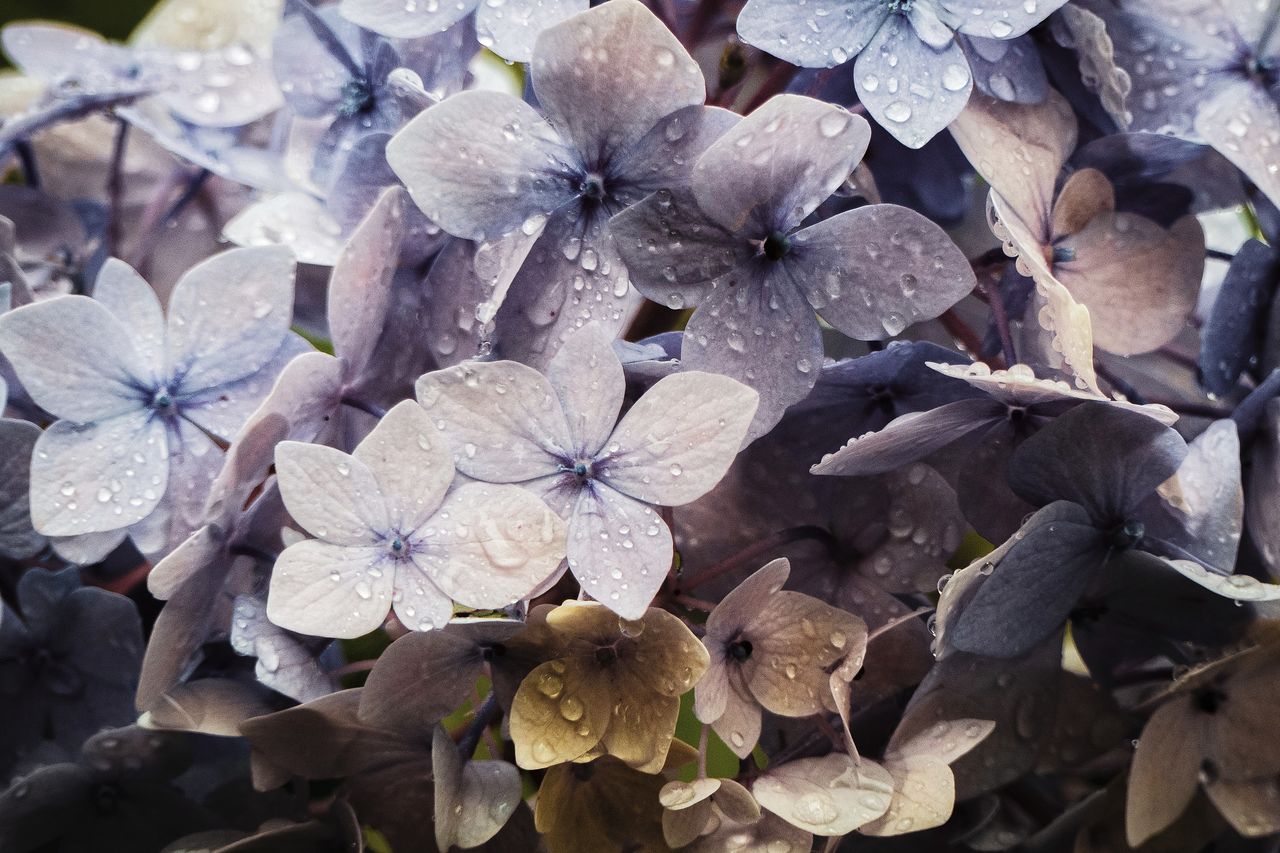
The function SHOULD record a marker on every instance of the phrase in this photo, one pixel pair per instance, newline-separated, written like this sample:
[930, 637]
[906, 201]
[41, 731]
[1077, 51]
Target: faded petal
[510, 29]
[1165, 772]
[503, 420]
[334, 496]
[397, 19]
[228, 316]
[831, 796]
[587, 377]
[560, 712]
[411, 463]
[481, 164]
[74, 357]
[608, 75]
[785, 159]
[823, 34]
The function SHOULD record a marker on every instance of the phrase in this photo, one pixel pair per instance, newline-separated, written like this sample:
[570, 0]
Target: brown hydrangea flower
[614, 687]
[774, 650]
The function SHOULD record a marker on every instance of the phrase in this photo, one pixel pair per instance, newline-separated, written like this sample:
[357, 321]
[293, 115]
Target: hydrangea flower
[621, 116]
[336, 75]
[773, 650]
[910, 72]
[735, 243]
[1138, 280]
[144, 401]
[68, 664]
[613, 687]
[390, 534]
[556, 434]
[1206, 72]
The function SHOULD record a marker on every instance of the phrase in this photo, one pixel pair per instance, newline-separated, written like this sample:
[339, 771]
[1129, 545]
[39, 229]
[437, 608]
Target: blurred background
[113, 18]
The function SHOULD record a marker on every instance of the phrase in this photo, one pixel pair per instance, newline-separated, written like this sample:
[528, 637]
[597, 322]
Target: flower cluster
[641, 425]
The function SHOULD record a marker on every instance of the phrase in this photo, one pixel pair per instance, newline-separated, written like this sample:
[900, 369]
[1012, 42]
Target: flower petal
[679, 438]
[395, 19]
[510, 29]
[560, 712]
[831, 796]
[489, 546]
[824, 34]
[911, 89]
[481, 164]
[74, 357]
[327, 590]
[228, 316]
[587, 377]
[1165, 772]
[98, 477]
[619, 550]
[610, 74]
[411, 464]
[335, 497]
[875, 270]
[784, 159]
[127, 295]
[502, 418]
[360, 285]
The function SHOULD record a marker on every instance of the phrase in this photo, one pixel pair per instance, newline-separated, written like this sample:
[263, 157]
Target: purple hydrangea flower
[621, 116]
[737, 244]
[143, 402]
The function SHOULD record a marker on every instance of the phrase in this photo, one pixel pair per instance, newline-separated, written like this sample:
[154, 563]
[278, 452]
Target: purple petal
[74, 358]
[999, 19]
[503, 420]
[774, 168]
[821, 35]
[481, 164]
[911, 89]
[1008, 70]
[411, 463]
[228, 316]
[127, 295]
[333, 496]
[360, 285]
[587, 377]
[910, 438]
[17, 538]
[401, 20]
[510, 28]
[873, 271]
[606, 76]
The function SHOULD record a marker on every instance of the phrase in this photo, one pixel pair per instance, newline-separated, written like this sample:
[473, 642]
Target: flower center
[740, 650]
[1209, 699]
[1127, 535]
[592, 186]
[776, 246]
[580, 468]
[356, 98]
[162, 403]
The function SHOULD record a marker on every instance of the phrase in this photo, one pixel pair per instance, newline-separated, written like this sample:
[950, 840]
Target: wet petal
[419, 680]
[911, 89]
[831, 796]
[401, 20]
[619, 550]
[360, 285]
[489, 546]
[587, 377]
[328, 590]
[1165, 772]
[334, 496]
[503, 420]
[98, 477]
[608, 75]
[825, 34]
[127, 295]
[873, 271]
[786, 158]
[560, 712]
[1000, 19]
[285, 663]
[679, 439]
[473, 798]
[665, 156]
[1236, 323]
[759, 330]
[228, 316]
[510, 29]
[419, 604]
[411, 463]
[1008, 70]
[74, 357]
[480, 164]
[1244, 126]
[910, 438]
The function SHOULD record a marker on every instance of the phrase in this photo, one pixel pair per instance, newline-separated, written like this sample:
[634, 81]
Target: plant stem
[746, 555]
[486, 715]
